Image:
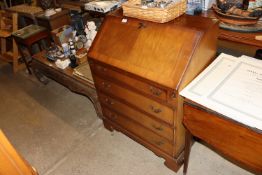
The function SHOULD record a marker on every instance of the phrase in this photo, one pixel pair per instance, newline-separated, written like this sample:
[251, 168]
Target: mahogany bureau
[138, 69]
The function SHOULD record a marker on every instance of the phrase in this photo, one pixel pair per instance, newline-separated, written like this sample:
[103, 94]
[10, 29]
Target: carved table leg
[94, 99]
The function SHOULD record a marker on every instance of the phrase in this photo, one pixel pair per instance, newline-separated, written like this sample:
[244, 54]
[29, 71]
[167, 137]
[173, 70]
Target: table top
[25, 9]
[28, 31]
[41, 58]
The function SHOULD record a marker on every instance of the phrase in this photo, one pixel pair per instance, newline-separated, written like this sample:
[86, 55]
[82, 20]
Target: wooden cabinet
[139, 67]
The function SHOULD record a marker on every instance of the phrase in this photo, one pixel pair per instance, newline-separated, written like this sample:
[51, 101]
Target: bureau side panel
[204, 54]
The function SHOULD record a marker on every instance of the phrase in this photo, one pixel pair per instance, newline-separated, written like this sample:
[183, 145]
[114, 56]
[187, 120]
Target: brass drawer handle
[159, 128]
[155, 110]
[108, 101]
[106, 85]
[159, 143]
[155, 91]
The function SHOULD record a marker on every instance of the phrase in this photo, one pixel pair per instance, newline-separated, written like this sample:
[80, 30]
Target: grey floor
[58, 132]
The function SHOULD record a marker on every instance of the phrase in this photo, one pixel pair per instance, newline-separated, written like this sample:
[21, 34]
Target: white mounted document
[231, 86]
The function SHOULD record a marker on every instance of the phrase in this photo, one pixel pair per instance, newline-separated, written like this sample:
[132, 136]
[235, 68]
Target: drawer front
[152, 107]
[134, 83]
[155, 126]
[140, 131]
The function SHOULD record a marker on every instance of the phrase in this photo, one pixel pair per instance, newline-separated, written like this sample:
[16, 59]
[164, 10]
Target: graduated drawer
[150, 106]
[150, 137]
[134, 83]
[155, 126]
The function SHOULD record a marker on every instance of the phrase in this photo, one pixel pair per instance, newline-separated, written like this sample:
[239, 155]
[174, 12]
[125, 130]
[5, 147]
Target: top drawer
[152, 90]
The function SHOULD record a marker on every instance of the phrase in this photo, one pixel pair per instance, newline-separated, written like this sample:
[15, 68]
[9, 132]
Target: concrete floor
[58, 132]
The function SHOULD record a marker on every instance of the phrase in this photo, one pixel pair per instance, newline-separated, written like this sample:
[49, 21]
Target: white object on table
[230, 86]
[62, 64]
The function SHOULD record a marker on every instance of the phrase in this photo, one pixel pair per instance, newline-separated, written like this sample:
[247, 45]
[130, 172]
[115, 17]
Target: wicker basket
[159, 15]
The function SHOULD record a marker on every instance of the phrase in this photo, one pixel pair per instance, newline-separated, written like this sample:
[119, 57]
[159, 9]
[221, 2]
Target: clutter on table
[238, 8]
[70, 46]
[195, 7]
[237, 12]
[62, 34]
[102, 6]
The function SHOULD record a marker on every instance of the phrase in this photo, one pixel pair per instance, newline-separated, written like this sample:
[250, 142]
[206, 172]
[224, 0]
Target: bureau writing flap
[158, 52]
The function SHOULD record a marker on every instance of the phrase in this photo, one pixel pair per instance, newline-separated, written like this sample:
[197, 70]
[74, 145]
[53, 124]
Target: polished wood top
[41, 58]
[244, 38]
[25, 9]
[157, 52]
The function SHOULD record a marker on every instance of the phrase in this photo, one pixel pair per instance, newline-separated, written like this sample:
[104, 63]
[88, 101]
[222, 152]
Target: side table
[43, 68]
[28, 36]
[237, 142]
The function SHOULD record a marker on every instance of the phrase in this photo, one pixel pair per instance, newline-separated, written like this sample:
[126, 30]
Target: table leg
[188, 142]
[24, 59]
[258, 54]
[41, 77]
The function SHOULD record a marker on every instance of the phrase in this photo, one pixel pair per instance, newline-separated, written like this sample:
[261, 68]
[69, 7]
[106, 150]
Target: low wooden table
[43, 68]
[237, 142]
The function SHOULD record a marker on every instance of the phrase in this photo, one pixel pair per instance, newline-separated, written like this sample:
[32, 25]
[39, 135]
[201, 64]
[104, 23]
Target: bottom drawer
[153, 139]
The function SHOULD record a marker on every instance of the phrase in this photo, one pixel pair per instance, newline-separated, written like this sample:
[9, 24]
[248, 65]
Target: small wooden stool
[28, 36]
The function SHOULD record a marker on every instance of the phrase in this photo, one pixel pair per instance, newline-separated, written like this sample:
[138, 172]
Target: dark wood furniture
[138, 69]
[55, 21]
[72, 5]
[27, 12]
[235, 141]
[242, 38]
[26, 37]
[43, 68]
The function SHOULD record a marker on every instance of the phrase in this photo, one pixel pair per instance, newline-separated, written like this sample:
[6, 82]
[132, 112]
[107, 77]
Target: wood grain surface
[235, 141]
